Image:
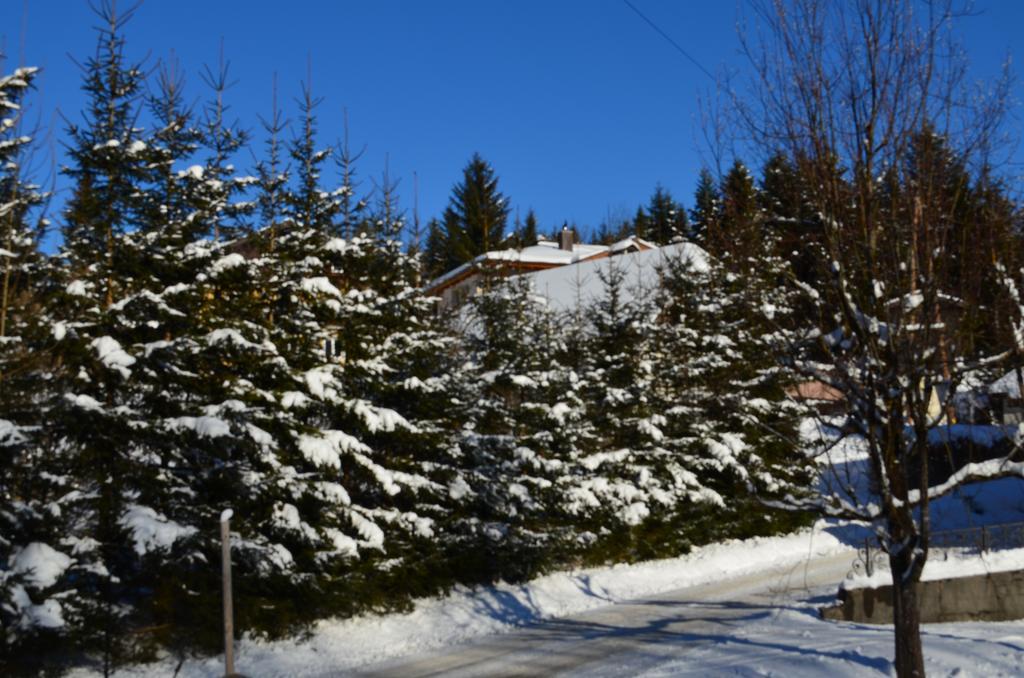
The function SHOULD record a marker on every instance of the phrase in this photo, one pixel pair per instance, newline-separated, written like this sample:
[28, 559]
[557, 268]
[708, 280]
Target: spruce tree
[435, 253]
[781, 192]
[666, 219]
[740, 224]
[530, 232]
[706, 213]
[222, 139]
[640, 225]
[625, 481]
[31, 483]
[523, 430]
[525, 233]
[788, 220]
[477, 213]
[720, 390]
[272, 177]
[352, 206]
[94, 410]
[349, 370]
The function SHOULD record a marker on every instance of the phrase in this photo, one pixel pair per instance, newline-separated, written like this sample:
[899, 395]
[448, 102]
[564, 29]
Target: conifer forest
[232, 318]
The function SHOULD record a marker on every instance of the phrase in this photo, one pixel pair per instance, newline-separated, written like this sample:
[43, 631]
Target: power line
[670, 40]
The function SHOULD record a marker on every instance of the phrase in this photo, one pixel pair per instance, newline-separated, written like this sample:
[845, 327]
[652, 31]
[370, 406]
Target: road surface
[631, 638]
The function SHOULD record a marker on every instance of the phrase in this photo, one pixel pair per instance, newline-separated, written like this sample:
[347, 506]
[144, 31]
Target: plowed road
[635, 637]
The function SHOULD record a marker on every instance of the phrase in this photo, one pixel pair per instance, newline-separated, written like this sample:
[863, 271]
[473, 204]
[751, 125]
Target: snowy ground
[339, 646]
[793, 642]
[775, 632]
[764, 624]
[947, 564]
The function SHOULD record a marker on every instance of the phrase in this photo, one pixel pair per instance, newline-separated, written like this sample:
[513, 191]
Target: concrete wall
[986, 597]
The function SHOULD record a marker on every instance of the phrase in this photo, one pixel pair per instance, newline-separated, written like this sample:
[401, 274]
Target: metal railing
[872, 558]
[980, 539]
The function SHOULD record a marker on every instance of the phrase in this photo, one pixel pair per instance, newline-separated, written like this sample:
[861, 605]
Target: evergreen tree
[222, 140]
[19, 201]
[641, 224]
[527, 234]
[352, 207]
[706, 213]
[781, 193]
[94, 413]
[477, 214]
[309, 213]
[666, 219]
[788, 220]
[624, 483]
[522, 434]
[719, 388]
[739, 232]
[395, 391]
[352, 359]
[31, 484]
[435, 253]
[107, 161]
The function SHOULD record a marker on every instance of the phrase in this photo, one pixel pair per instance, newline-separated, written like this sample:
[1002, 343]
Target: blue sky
[580, 105]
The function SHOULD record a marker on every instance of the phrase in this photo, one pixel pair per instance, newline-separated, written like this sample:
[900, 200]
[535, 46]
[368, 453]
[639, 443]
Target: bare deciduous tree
[870, 102]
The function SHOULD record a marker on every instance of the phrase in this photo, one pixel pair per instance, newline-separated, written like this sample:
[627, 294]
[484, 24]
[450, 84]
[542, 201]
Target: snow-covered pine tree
[721, 392]
[181, 381]
[344, 508]
[218, 183]
[351, 206]
[138, 401]
[666, 219]
[241, 413]
[397, 387]
[31, 562]
[130, 415]
[523, 430]
[707, 210]
[739, 233]
[630, 480]
[789, 221]
[94, 414]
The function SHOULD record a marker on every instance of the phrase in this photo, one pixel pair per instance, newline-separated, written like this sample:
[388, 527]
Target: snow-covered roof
[546, 253]
[632, 241]
[577, 286]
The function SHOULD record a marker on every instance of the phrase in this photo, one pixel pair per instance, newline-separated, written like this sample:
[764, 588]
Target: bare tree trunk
[5, 295]
[909, 658]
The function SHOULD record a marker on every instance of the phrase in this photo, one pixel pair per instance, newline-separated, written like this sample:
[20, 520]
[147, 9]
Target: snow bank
[335, 647]
[946, 564]
[796, 644]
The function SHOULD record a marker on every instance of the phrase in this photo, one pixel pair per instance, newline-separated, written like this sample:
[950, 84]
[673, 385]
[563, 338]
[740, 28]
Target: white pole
[229, 621]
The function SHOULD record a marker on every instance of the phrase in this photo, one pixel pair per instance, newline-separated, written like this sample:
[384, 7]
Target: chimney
[565, 239]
